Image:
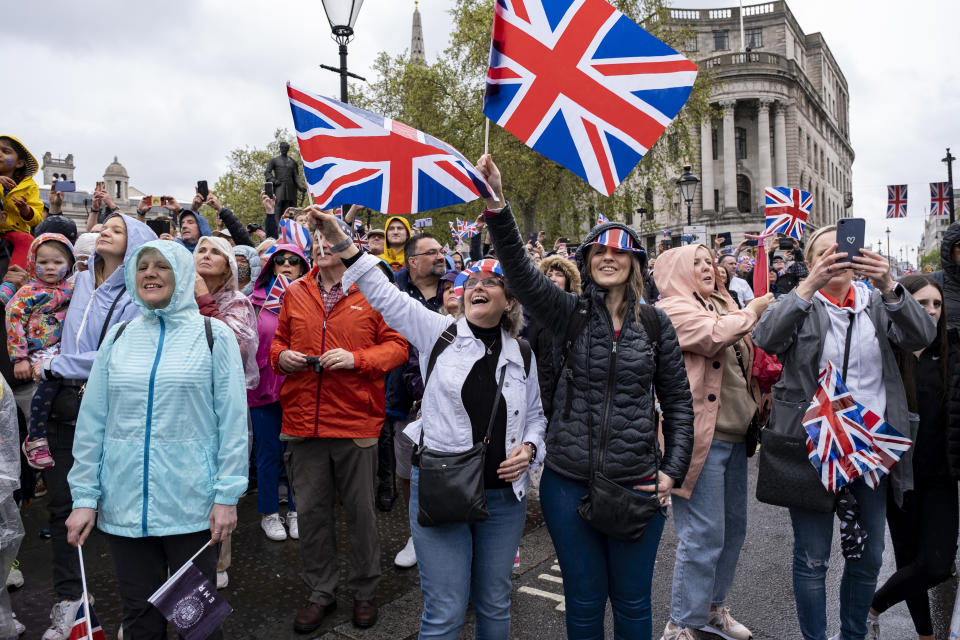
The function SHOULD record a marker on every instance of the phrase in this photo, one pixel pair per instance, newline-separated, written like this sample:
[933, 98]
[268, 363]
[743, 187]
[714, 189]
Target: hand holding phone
[202, 188]
[268, 189]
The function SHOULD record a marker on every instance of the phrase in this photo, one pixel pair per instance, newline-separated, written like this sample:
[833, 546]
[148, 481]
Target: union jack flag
[582, 84]
[361, 240]
[79, 630]
[939, 198]
[602, 218]
[787, 210]
[292, 232]
[889, 445]
[466, 230]
[274, 298]
[618, 239]
[453, 232]
[354, 156]
[897, 201]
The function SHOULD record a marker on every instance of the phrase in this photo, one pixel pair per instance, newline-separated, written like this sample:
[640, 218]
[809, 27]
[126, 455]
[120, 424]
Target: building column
[763, 144]
[780, 143]
[729, 157]
[706, 164]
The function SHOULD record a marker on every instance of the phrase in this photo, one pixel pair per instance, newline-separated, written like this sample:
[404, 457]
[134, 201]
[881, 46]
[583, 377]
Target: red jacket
[342, 403]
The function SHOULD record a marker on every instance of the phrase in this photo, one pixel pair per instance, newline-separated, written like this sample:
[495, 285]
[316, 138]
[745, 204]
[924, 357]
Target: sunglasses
[488, 283]
[290, 260]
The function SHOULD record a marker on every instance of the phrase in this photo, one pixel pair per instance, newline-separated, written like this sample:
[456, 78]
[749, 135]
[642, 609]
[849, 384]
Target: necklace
[489, 346]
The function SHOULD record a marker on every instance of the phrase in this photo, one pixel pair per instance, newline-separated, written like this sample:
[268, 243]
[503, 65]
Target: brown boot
[364, 613]
[311, 615]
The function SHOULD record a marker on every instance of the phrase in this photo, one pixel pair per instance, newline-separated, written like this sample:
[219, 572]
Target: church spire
[416, 38]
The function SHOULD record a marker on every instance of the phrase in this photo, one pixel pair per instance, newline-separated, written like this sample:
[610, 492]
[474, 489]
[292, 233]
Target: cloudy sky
[171, 87]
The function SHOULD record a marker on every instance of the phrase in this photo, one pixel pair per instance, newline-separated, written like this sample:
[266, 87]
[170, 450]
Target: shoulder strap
[651, 325]
[526, 353]
[208, 329]
[574, 326]
[846, 347]
[123, 325]
[106, 323]
[496, 405]
[444, 341]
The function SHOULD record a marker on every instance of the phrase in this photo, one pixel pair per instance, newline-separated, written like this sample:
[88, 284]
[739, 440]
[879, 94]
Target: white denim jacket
[447, 425]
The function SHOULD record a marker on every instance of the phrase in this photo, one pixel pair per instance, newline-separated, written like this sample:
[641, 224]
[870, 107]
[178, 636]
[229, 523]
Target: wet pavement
[265, 588]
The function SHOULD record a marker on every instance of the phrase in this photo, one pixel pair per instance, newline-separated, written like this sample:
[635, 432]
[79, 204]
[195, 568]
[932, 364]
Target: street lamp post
[948, 160]
[687, 185]
[342, 15]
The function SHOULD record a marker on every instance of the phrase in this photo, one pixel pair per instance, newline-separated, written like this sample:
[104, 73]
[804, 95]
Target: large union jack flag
[354, 156]
[897, 201]
[939, 198]
[583, 85]
[787, 210]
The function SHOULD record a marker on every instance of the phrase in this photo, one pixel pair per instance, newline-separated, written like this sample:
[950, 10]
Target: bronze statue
[284, 173]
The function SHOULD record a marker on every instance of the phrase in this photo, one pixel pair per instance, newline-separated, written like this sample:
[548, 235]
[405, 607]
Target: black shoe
[311, 615]
[385, 496]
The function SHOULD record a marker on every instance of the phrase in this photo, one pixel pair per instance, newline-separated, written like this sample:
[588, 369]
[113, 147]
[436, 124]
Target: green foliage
[932, 259]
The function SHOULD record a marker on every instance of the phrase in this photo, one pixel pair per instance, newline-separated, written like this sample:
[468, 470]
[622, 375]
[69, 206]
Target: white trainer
[721, 623]
[62, 616]
[293, 526]
[14, 578]
[673, 632]
[407, 557]
[222, 580]
[18, 626]
[873, 628]
[272, 525]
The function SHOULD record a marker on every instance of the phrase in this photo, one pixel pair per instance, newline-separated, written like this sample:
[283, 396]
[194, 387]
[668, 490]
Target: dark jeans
[386, 463]
[270, 471]
[924, 535]
[143, 564]
[596, 567]
[40, 407]
[66, 566]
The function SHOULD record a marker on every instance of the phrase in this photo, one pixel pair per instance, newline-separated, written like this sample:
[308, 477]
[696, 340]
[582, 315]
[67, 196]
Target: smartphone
[850, 235]
[202, 188]
[533, 238]
[268, 189]
[101, 186]
[156, 201]
[750, 243]
[159, 226]
[65, 185]
[727, 239]
[786, 244]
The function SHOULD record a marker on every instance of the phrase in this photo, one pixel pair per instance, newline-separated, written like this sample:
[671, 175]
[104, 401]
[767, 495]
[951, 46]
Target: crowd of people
[397, 369]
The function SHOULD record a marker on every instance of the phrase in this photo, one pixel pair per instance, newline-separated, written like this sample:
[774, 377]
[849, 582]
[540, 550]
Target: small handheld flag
[602, 218]
[274, 299]
[897, 201]
[86, 627]
[190, 603]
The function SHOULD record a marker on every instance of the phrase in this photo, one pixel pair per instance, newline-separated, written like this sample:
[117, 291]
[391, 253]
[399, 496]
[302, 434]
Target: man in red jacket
[335, 351]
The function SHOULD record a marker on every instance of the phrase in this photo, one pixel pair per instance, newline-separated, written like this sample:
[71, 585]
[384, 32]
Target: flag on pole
[897, 201]
[274, 299]
[582, 84]
[453, 232]
[940, 198]
[292, 232]
[787, 210]
[84, 629]
[354, 156]
[466, 230]
[190, 603]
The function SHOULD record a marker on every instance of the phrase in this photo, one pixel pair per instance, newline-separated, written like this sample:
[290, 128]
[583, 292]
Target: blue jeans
[266, 430]
[461, 563]
[812, 536]
[596, 567]
[711, 525]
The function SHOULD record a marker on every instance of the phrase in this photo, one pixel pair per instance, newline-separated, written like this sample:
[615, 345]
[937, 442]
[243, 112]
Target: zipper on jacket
[611, 381]
[146, 440]
[316, 409]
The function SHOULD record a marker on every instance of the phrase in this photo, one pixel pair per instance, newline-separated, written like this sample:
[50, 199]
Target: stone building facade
[76, 204]
[785, 121]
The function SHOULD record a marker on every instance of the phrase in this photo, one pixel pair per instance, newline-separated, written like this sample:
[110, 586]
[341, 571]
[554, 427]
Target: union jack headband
[487, 264]
[618, 239]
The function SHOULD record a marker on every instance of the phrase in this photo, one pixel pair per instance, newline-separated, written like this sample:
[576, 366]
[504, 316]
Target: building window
[716, 199]
[743, 193]
[691, 43]
[721, 41]
[118, 190]
[714, 135]
[754, 37]
[740, 137]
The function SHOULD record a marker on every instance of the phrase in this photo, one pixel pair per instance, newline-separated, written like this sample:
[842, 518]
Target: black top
[930, 449]
[477, 395]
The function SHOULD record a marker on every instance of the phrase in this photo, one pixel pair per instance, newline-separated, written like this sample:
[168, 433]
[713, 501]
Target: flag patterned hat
[616, 238]
[487, 264]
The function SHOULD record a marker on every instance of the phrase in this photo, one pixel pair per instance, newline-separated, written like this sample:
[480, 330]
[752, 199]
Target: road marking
[556, 568]
[545, 594]
[550, 578]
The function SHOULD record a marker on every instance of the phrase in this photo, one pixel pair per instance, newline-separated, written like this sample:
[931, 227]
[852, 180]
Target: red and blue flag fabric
[355, 156]
[466, 230]
[787, 210]
[602, 218]
[490, 265]
[84, 629]
[292, 232]
[618, 239]
[889, 445]
[939, 198]
[580, 83]
[897, 201]
[453, 232]
[274, 299]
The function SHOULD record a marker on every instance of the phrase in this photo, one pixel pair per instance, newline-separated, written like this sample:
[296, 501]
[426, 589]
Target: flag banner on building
[939, 198]
[292, 232]
[84, 629]
[841, 445]
[602, 218]
[897, 201]
[354, 156]
[274, 299]
[787, 210]
[582, 84]
[190, 603]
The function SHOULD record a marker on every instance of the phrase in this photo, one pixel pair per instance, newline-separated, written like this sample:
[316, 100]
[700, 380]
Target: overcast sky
[170, 88]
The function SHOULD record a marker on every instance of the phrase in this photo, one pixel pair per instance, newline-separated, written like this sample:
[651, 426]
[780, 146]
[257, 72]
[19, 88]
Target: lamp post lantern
[342, 15]
[687, 185]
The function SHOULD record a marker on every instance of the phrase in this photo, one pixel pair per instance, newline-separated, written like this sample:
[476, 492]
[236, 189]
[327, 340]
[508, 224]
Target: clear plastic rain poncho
[11, 526]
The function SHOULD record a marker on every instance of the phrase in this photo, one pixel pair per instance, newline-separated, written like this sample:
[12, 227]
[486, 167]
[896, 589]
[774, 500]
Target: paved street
[265, 589]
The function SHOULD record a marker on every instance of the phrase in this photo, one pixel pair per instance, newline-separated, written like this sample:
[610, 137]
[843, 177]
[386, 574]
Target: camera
[314, 361]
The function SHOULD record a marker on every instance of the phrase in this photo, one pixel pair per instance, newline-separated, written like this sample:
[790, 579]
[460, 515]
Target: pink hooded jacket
[703, 334]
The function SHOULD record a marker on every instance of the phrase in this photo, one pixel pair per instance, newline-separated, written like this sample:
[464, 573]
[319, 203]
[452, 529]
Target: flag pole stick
[194, 556]
[86, 597]
[486, 136]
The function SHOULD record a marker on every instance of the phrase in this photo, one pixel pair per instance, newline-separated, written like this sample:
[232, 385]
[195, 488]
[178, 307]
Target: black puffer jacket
[611, 379]
[949, 277]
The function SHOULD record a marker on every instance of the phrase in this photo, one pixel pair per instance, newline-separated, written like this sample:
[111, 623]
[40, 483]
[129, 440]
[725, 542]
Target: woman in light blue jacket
[161, 441]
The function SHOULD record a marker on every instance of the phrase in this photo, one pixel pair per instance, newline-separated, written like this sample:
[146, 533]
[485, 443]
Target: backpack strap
[445, 340]
[526, 353]
[651, 325]
[574, 326]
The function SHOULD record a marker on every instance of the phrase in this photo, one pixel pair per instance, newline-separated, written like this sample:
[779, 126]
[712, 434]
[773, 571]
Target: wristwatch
[894, 295]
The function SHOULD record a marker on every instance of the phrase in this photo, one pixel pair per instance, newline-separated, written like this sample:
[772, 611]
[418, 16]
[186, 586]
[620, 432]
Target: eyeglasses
[490, 282]
[433, 253]
[290, 260]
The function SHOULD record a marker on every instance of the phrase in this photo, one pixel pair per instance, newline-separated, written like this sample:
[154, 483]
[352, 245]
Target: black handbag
[785, 477]
[752, 438]
[451, 486]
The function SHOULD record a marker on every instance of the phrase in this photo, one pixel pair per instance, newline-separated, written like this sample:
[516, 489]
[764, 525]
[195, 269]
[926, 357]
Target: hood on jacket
[394, 256]
[254, 260]
[222, 247]
[594, 233]
[30, 165]
[402, 220]
[951, 236]
[42, 239]
[674, 275]
[184, 274]
[138, 234]
[266, 270]
[203, 225]
[560, 263]
[951, 275]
